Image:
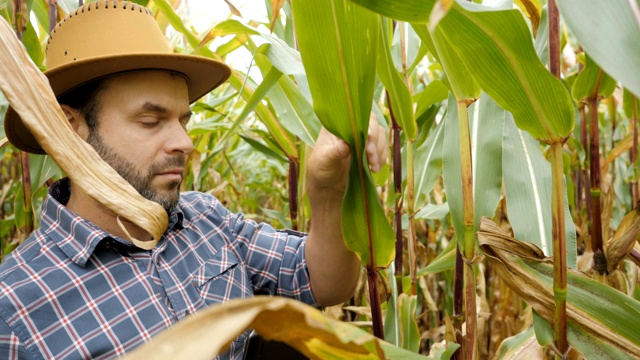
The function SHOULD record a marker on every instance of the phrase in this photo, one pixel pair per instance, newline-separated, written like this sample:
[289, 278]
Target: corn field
[505, 223]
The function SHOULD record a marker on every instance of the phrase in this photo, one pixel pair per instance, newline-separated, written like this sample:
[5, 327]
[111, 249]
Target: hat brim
[202, 74]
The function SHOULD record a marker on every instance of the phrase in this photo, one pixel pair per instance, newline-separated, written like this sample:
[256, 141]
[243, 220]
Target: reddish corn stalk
[397, 187]
[53, 14]
[594, 139]
[27, 227]
[293, 192]
[634, 152]
[458, 301]
[557, 202]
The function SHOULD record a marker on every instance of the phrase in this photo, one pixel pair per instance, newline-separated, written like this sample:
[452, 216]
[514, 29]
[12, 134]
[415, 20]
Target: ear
[76, 120]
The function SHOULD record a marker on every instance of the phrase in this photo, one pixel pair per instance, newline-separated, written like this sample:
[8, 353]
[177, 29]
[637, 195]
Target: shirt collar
[76, 236]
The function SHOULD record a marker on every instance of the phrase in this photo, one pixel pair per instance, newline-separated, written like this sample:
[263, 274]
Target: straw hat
[108, 37]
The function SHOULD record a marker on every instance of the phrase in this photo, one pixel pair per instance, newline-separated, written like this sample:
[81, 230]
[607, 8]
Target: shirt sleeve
[10, 346]
[275, 259]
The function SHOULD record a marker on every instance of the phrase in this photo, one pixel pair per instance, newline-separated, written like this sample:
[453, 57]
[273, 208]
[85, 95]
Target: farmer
[76, 288]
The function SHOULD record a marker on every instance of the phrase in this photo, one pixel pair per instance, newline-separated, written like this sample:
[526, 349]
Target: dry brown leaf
[207, 332]
[233, 9]
[533, 10]
[622, 242]
[30, 95]
[276, 5]
[505, 253]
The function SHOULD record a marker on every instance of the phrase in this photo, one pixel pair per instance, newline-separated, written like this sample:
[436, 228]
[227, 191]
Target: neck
[88, 208]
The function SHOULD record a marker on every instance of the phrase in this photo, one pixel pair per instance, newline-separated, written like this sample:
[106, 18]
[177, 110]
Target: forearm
[333, 268]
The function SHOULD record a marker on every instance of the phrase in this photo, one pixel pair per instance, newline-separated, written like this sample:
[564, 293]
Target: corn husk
[30, 95]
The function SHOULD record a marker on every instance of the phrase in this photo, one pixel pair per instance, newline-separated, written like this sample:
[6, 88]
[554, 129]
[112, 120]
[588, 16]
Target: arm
[333, 268]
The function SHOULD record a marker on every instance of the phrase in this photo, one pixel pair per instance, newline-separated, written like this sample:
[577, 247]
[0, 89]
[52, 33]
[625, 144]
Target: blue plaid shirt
[73, 291]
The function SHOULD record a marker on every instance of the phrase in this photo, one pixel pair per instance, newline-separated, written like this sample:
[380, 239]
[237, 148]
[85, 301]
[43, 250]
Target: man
[76, 288]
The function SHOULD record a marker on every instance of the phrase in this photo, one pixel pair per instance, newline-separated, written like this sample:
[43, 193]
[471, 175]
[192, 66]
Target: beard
[168, 198]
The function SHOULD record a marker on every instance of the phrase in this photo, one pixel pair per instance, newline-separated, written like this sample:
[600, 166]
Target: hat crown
[114, 27]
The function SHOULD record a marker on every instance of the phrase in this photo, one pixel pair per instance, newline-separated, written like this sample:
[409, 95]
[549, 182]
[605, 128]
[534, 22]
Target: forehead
[146, 83]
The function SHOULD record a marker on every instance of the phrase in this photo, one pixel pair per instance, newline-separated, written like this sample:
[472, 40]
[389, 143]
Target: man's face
[141, 132]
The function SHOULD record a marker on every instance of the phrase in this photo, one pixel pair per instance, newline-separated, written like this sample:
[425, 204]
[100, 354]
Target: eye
[148, 121]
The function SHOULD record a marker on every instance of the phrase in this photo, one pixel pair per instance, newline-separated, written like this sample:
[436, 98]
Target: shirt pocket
[222, 278]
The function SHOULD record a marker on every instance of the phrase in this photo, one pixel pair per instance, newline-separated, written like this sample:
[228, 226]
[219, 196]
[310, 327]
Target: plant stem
[397, 187]
[554, 38]
[412, 246]
[559, 249]
[596, 212]
[557, 201]
[634, 152]
[27, 227]
[584, 173]
[293, 192]
[374, 300]
[458, 301]
[469, 246]
[53, 15]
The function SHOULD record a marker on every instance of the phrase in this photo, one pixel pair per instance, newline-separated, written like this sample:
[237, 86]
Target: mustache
[170, 163]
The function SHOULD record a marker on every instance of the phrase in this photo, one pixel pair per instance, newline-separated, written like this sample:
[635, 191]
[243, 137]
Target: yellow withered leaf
[30, 95]
[208, 332]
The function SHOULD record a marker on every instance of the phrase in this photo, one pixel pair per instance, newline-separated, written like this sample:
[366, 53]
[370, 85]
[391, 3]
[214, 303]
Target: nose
[178, 139]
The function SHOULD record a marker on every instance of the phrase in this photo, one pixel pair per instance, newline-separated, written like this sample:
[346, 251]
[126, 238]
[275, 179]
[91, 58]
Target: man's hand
[334, 269]
[329, 162]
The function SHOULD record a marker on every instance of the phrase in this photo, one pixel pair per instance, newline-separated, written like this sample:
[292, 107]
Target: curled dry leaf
[207, 332]
[30, 95]
[622, 242]
[590, 305]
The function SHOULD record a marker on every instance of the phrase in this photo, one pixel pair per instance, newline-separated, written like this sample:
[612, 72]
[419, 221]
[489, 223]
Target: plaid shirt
[73, 291]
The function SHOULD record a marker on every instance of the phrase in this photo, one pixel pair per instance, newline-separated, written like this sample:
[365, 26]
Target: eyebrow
[163, 110]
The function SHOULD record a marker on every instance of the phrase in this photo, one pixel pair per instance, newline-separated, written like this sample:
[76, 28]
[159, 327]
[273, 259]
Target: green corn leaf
[434, 93]
[398, 92]
[610, 33]
[629, 101]
[338, 41]
[433, 212]
[497, 49]
[542, 329]
[446, 260]
[486, 154]
[527, 183]
[590, 80]
[260, 147]
[282, 137]
[410, 332]
[459, 78]
[294, 112]
[429, 156]
[520, 346]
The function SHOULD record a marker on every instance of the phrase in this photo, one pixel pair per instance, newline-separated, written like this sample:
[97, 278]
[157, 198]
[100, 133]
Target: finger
[376, 144]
